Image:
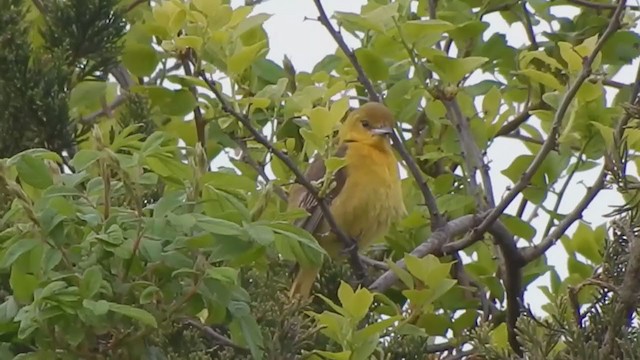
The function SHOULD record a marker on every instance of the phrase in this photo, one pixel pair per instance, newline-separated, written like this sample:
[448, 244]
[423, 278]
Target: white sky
[306, 42]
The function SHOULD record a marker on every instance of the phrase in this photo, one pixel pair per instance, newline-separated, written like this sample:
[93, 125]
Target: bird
[366, 197]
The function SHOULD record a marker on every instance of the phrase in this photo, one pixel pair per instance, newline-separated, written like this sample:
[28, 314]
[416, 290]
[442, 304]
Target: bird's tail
[303, 282]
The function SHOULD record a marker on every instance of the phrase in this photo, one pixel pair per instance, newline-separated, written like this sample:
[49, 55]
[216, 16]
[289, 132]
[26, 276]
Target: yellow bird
[367, 196]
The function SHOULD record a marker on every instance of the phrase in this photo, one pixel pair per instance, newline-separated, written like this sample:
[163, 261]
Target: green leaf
[372, 64]
[491, 104]
[188, 41]
[140, 59]
[140, 315]
[588, 242]
[87, 94]
[357, 303]
[84, 158]
[499, 337]
[244, 326]
[452, 70]
[34, 172]
[570, 56]
[91, 281]
[244, 56]
[261, 234]
[148, 295]
[519, 227]
[299, 243]
[416, 30]
[334, 164]
[431, 272]
[606, 132]
[222, 273]
[542, 78]
[321, 122]
[8, 310]
[250, 23]
[171, 102]
[271, 72]
[229, 181]
[622, 48]
[16, 249]
[99, 307]
[217, 226]
[22, 284]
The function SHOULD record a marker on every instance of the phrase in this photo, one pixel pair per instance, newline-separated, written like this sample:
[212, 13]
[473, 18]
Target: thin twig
[518, 120]
[537, 250]
[214, 336]
[246, 157]
[121, 98]
[528, 26]
[350, 245]
[197, 112]
[437, 220]
[471, 153]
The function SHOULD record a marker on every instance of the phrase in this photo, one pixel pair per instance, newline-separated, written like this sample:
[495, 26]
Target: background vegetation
[119, 240]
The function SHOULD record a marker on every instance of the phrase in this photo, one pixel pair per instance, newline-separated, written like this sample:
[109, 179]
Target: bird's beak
[382, 131]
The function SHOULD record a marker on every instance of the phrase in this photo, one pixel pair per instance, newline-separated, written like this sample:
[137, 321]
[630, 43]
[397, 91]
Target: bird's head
[371, 124]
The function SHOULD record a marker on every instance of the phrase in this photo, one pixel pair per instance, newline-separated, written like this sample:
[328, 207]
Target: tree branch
[471, 154]
[349, 244]
[599, 6]
[432, 245]
[518, 120]
[246, 157]
[213, 335]
[362, 77]
[437, 220]
[552, 139]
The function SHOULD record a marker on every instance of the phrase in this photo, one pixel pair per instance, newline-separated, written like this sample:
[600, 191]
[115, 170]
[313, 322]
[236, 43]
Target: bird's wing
[301, 198]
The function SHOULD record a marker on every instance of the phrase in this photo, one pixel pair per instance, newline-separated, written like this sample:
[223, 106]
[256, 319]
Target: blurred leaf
[452, 70]
[357, 303]
[140, 59]
[372, 64]
[244, 56]
[34, 172]
[246, 328]
[140, 315]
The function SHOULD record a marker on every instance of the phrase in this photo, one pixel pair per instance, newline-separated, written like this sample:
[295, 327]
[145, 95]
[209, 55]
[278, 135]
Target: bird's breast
[371, 198]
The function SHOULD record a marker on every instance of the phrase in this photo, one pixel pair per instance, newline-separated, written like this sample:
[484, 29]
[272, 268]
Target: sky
[305, 41]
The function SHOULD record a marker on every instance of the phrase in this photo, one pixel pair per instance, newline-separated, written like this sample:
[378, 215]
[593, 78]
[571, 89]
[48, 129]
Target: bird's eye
[365, 124]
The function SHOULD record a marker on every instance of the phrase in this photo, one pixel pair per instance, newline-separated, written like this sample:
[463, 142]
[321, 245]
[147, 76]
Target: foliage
[119, 239]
